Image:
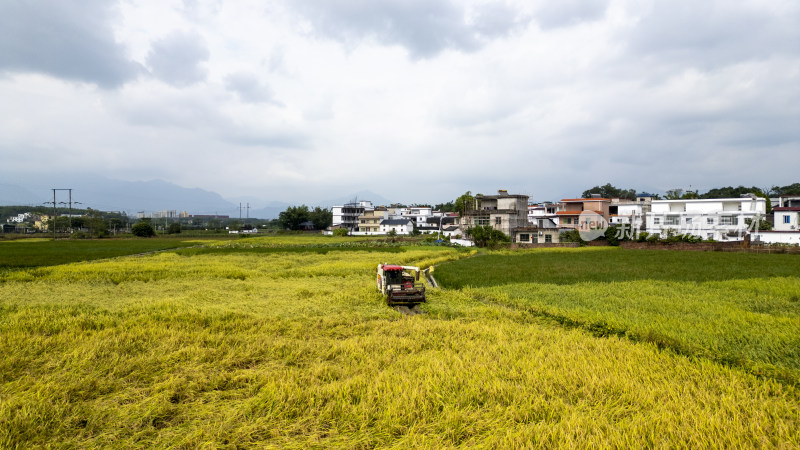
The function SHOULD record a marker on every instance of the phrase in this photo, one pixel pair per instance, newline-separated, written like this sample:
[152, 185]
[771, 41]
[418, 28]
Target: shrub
[174, 228]
[571, 236]
[143, 229]
[341, 232]
[614, 235]
[486, 236]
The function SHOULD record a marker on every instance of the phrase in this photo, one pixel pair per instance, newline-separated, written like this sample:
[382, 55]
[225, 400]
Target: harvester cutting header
[400, 286]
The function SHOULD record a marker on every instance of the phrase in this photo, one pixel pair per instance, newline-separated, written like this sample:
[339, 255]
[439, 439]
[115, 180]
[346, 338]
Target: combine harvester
[403, 290]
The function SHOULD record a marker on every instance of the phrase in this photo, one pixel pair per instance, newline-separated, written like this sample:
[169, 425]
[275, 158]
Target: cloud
[712, 34]
[177, 58]
[72, 40]
[424, 27]
[249, 88]
[569, 12]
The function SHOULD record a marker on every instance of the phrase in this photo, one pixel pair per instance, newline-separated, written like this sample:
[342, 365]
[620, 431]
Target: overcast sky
[416, 100]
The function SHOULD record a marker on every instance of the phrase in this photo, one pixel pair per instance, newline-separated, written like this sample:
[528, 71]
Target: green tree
[341, 232]
[293, 217]
[143, 229]
[445, 207]
[174, 228]
[792, 189]
[97, 226]
[321, 218]
[730, 192]
[759, 224]
[486, 236]
[690, 195]
[609, 191]
[674, 194]
[464, 203]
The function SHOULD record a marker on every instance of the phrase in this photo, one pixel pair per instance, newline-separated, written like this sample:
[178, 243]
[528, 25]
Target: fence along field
[298, 350]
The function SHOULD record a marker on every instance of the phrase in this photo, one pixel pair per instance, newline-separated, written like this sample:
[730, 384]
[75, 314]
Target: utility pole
[54, 214]
[248, 213]
[70, 210]
[54, 208]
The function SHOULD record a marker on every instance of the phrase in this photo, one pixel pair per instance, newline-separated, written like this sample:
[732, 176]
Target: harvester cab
[399, 285]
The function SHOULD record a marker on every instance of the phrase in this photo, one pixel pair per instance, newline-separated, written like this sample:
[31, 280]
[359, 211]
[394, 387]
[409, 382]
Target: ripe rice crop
[298, 349]
[740, 309]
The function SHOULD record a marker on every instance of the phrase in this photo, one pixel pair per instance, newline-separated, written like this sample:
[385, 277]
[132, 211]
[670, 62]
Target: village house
[583, 212]
[536, 235]
[370, 221]
[786, 228]
[631, 213]
[399, 226]
[503, 212]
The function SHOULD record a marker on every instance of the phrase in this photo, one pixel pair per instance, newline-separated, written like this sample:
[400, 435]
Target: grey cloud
[72, 40]
[713, 34]
[177, 58]
[199, 114]
[423, 27]
[249, 88]
[556, 14]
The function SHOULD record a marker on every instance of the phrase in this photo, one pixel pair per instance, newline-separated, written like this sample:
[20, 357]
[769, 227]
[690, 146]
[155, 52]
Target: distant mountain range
[156, 195]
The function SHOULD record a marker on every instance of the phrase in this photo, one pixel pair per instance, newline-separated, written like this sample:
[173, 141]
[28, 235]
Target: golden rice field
[244, 347]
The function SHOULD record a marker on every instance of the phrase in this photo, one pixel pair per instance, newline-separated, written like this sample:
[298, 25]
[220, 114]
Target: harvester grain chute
[400, 285]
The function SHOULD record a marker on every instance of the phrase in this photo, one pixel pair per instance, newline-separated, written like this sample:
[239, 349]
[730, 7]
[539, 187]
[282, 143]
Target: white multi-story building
[165, 214]
[347, 215]
[19, 218]
[629, 212]
[540, 213]
[419, 214]
[721, 219]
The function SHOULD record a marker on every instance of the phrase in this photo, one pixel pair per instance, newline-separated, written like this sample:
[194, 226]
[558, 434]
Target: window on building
[524, 237]
[710, 220]
[710, 236]
[656, 220]
[535, 239]
[498, 220]
[688, 221]
[672, 220]
[728, 220]
[481, 221]
[787, 218]
[548, 238]
[567, 220]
